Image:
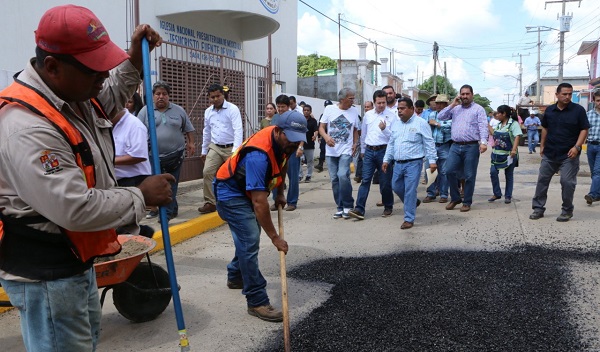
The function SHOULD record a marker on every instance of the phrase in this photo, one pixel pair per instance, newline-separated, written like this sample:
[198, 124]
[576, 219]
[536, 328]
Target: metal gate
[190, 72]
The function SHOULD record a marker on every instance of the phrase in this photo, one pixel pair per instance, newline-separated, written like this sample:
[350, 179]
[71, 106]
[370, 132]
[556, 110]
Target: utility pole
[520, 71]
[508, 98]
[531, 29]
[435, 56]
[445, 79]
[565, 26]
[339, 73]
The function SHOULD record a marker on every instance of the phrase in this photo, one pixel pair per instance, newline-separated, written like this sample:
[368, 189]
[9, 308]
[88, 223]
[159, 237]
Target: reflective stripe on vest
[85, 245]
[263, 141]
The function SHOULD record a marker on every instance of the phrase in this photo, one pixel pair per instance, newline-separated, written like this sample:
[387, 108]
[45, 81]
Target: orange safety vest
[263, 141]
[85, 245]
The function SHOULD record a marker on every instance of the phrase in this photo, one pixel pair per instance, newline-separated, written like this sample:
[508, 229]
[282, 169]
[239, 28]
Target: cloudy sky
[479, 40]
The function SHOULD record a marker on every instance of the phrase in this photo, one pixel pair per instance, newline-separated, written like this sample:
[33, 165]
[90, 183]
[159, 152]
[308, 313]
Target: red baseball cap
[75, 30]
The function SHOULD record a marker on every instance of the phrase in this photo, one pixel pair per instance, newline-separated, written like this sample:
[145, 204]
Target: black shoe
[319, 168]
[564, 217]
[307, 179]
[418, 202]
[235, 285]
[536, 215]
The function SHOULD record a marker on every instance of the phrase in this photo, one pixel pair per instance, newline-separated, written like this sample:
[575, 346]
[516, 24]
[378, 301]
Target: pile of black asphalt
[513, 300]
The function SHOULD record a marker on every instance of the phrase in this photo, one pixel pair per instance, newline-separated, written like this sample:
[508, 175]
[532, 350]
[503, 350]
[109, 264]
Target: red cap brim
[103, 58]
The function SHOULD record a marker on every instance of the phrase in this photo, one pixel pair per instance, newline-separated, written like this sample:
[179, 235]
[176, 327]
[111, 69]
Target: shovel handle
[284, 293]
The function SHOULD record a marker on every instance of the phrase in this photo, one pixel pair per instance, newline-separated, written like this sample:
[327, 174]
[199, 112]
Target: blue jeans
[293, 185]
[339, 172]
[405, 182]
[593, 155]
[465, 158]
[441, 182]
[245, 231]
[533, 137]
[372, 160]
[59, 315]
[358, 163]
[508, 174]
[568, 180]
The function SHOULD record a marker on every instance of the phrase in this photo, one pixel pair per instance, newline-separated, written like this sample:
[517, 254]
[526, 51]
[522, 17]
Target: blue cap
[293, 124]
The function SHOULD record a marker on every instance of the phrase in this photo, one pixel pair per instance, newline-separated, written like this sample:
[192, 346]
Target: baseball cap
[76, 31]
[327, 102]
[293, 124]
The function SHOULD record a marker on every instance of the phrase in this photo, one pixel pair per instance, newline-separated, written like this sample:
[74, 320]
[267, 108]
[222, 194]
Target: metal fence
[190, 72]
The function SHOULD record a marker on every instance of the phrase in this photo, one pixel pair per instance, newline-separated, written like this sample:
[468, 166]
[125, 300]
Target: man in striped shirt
[593, 150]
[470, 136]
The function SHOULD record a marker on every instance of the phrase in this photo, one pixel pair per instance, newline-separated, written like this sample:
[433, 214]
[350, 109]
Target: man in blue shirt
[443, 139]
[242, 189]
[532, 123]
[411, 141]
[564, 130]
[593, 150]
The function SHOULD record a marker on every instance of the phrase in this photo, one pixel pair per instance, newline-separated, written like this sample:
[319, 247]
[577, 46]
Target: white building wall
[18, 26]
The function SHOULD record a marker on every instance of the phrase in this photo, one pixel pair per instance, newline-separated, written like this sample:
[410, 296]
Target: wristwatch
[578, 149]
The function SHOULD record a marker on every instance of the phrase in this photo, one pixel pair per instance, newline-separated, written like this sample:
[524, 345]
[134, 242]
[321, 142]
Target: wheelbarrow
[141, 290]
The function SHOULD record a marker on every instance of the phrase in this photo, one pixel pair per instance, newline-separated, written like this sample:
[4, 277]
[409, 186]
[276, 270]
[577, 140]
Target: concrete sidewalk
[216, 318]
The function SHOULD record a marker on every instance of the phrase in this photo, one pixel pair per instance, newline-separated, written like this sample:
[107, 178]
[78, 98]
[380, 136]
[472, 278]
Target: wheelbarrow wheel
[139, 298]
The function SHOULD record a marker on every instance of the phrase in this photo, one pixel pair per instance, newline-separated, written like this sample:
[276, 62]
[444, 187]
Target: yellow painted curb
[178, 233]
[3, 297]
[191, 228]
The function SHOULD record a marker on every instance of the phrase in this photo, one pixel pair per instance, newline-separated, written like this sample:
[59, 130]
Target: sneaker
[386, 213]
[300, 179]
[235, 285]
[536, 215]
[307, 179]
[345, 215]
[319, 168]
[152, 214]
[418, 202]
[564, 217]
[267, 313]
[589, 200]
[338, 215]
[507, 200]
[357, 214]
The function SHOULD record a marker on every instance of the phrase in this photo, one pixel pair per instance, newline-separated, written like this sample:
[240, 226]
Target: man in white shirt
[294, 106]
[341, 121]
[130, 136]
[222, 134]
[375, 135]
[391, 100]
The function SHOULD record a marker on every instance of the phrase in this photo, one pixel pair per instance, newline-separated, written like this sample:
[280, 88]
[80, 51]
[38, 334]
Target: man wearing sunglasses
[59, 204]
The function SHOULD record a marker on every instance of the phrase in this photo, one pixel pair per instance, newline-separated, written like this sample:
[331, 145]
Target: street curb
[177, 233]
[186, 230]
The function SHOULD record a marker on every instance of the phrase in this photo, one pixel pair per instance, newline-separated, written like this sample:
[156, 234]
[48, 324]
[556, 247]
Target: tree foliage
[441, 83]
[309, 64]
[452, 92]
[483, 101]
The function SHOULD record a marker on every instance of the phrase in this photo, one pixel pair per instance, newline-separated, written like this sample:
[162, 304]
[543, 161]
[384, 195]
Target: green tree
[483, 101]
[309, 64]
[441, 83]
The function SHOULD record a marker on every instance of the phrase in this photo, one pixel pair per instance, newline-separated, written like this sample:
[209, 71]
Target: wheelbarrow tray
[118, 270]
